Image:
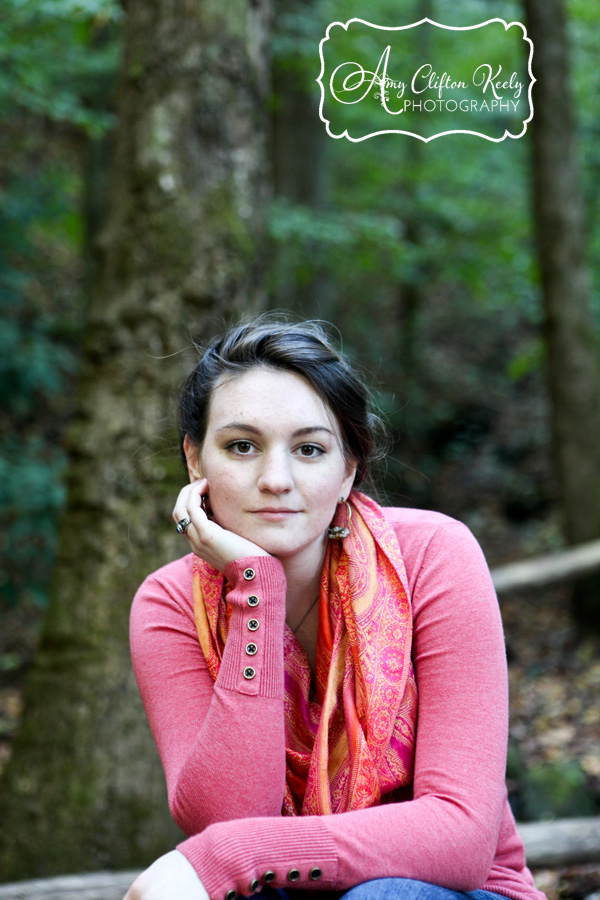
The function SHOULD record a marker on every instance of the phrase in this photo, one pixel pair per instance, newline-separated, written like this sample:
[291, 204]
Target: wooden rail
[92, 886]
[551, 569]
[547, 844]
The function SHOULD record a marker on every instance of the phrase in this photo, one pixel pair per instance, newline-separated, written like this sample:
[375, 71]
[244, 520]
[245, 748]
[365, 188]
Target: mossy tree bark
[572, 348]
[182, 246]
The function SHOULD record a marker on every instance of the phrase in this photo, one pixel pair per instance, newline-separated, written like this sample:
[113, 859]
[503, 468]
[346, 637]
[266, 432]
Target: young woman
[325, 679]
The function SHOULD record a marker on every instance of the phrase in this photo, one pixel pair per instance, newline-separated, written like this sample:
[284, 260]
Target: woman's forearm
[222, 743]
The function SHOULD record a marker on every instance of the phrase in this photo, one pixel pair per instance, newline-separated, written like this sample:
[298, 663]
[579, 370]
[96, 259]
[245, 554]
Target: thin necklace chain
[305, 616]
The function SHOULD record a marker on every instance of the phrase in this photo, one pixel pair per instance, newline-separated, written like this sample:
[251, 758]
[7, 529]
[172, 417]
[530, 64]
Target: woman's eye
[310, 450]
[241, 447]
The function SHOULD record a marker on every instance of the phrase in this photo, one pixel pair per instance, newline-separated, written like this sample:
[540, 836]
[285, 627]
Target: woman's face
[274, 463]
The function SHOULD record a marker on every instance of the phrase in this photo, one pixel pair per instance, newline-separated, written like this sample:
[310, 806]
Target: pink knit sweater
[222, 744]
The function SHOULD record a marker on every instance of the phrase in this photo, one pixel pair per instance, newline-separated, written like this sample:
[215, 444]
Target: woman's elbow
[187, 816]
[194, 815]
[471, 859]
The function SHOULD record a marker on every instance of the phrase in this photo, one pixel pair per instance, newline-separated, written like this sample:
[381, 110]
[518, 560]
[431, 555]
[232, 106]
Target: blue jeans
[407, 889]
[384, 889]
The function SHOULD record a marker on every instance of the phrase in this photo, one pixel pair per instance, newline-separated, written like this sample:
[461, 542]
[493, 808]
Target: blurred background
[163, 171]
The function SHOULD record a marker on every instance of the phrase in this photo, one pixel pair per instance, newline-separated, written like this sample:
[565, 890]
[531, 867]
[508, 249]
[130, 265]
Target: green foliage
[526, 361]
[58, 69]
[56, 57]
[334, 240]
[556, 791]
[32, 494]
[584, 28]
[37, 363]
[467, 200]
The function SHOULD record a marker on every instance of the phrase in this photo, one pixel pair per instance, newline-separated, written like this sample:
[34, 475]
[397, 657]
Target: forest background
[426, 257]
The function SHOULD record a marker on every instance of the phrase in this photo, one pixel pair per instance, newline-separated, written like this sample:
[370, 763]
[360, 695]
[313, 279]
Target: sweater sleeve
[222, 744]
[448, 833]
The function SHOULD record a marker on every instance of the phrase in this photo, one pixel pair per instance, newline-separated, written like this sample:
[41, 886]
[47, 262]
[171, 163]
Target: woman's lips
[275, 515]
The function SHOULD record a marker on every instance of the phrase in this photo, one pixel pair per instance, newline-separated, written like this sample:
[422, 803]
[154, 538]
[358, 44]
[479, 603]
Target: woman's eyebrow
[311, 428]
[239, 426]
[250, 429]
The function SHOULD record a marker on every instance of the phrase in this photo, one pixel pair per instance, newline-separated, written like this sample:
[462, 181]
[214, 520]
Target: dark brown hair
[302, 348]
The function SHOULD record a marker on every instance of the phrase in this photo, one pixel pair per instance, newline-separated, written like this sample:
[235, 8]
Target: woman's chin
[288, 549]
[277, 540]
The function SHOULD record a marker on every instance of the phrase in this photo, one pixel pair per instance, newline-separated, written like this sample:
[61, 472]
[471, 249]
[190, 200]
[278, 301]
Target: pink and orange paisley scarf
[352, 745]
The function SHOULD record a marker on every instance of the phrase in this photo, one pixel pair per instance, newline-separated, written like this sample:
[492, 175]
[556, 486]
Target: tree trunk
[183, 243]
[300, 150]
[573, 360]
[299, 141]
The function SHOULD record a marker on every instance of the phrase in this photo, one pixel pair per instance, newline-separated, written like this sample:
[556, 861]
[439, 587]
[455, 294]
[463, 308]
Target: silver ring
[182, 525]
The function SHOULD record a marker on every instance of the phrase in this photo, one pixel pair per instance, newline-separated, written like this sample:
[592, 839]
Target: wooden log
[551, 569]
[92, 886]
[563, 842]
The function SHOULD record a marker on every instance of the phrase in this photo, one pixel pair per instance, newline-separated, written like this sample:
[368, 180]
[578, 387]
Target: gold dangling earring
[337, 532]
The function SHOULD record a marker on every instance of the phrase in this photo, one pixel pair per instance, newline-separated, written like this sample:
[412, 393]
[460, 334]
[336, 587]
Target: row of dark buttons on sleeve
[293, 875]
[253, 625]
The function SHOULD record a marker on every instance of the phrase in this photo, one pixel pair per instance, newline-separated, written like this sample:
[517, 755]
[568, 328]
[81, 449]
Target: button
[249, 574]
[251, 649]
[254, 885]
[293, 875]
[253, 625]
[315, 874]
[230, 895]
[269, 876]
[249, 673]
[253, 600]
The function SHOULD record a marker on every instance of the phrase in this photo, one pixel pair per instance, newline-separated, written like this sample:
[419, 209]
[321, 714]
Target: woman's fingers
[189, 501]
[206, 539]
[205, 536]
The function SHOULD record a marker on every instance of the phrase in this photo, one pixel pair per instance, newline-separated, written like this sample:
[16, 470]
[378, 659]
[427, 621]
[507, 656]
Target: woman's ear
[349, 479]
[192, 455]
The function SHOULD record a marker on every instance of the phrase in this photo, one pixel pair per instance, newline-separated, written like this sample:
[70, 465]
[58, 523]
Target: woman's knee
[400, 889]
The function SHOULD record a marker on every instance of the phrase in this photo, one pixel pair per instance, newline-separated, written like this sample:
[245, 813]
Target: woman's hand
[170, 877]
[207, 539]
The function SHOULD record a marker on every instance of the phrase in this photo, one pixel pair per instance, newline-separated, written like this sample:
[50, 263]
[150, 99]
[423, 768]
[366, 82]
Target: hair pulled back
[302, 348]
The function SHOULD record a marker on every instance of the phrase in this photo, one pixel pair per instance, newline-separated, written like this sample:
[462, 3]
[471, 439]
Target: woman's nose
[275, 474]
